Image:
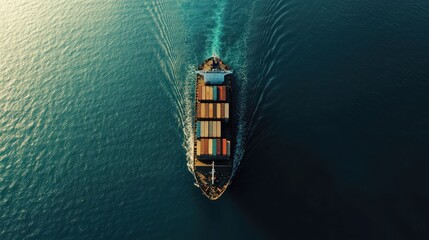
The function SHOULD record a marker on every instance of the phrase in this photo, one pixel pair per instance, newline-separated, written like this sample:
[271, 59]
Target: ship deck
[213, 189]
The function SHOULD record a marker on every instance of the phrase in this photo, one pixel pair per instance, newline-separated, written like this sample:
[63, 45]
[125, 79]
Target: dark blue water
[96, 102]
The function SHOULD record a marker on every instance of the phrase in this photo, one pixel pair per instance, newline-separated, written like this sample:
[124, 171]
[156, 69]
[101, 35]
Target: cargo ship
[214, 132]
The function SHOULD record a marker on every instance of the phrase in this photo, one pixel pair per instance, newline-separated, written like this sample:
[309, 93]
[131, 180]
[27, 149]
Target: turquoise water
[96, 102]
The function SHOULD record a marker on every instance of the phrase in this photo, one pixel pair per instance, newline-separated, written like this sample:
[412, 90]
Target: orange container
[211, 110]
[198, 148]
[223, 146]
[224, 93]
[202, 110]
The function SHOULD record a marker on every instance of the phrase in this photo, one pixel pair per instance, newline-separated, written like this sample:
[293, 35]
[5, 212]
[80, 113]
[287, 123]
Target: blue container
[198, 129]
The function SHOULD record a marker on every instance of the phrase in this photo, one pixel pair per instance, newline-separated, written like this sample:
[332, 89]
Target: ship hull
[214, 134]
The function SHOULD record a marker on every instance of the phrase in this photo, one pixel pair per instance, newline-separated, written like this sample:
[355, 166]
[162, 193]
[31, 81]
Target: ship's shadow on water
[284, 191]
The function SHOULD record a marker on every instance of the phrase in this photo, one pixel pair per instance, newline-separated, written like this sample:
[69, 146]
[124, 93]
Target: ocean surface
[96, 105]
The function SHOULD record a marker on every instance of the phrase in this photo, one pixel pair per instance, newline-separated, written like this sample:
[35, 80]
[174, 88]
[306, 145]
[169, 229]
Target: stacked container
[213, 110]
[209, 129]
[213, 147]
[211, 93]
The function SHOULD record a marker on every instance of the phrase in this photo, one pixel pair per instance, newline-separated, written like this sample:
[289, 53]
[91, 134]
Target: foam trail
[238, 57]
[187, 121]
[217, 32]
[178, 64]
[177, 70]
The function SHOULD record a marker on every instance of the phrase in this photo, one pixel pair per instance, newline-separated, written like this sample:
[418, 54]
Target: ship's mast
[213, 172]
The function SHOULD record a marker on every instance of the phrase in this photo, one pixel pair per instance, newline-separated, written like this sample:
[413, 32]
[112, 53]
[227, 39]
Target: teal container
[214, 146]
[198, 129]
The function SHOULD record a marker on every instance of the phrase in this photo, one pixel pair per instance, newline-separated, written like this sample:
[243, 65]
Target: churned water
[96, 106]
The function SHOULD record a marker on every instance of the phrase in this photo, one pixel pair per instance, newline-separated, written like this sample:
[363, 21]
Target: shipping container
[210, 110]
[219, 94]
[214, 147]
[214, 129]
[198, 129]
[203, 110]
[210, 147]
[214, 110]
[228, 148]
[224, 146]
[218, 147]
[219, 129]
[198, 148]
[205, 92]
[213, 93]
[203, 149]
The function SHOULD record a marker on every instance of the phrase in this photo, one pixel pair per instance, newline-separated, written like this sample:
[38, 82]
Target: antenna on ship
[213, 172]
